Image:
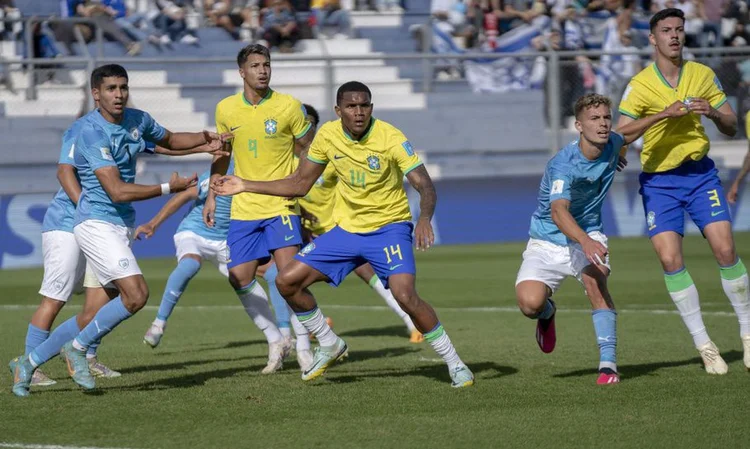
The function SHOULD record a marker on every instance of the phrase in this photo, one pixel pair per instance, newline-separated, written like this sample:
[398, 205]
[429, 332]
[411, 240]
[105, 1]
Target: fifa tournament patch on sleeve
[106, 153]
[557, 187]
[72, 153]
[626, 93]
[408, 148]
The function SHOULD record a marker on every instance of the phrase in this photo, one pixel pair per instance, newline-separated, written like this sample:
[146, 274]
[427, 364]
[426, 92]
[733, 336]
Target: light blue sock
[106, 319]
[278, 301]
[34, 338]
[52, 345]
[91, 352]
[186, 269]
[605, 326]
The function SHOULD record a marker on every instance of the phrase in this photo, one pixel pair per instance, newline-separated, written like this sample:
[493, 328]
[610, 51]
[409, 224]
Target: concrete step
[136, 78]
[335, 47]
[373, 19]
[71, 107]
[317, 75]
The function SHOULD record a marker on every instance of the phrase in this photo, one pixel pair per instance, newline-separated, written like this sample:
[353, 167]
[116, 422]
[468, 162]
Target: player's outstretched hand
[700, 106]
[424, 235]
[216, 141]
[595, 252]
[732, 194]
[228, 185]
[144, 231]
[209, 207]
[179, 183]
[621, 163]
[677, 109]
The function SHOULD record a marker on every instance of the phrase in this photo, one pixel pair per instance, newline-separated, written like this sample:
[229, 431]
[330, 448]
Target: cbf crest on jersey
[271, 126]
[373, 162]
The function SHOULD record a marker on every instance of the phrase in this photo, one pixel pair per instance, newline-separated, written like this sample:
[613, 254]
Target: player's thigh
[579, 261]
[594, 280]
[334, 254]
[282, 256]
[721, 240]
[284, 231]
[297, 275]
[246, 250]
[668, 247]
[63, 264]
[544, 262]
[107, 250]
[365, 272]
[188, 243]
[531, 295]
[706, 202]
[133, 291]
[390, 251]
[663, 204]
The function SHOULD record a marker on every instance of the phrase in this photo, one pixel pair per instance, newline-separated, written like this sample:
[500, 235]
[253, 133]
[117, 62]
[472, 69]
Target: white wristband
[165, 190]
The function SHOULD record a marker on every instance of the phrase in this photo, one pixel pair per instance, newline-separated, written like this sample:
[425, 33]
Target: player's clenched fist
[179, 183]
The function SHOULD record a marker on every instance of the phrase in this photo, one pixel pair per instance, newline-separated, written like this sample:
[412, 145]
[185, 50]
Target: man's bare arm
[66, 174]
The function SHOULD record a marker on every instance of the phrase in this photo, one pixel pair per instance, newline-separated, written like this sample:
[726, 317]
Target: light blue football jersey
[193, 220]
[583, 182]
[61, 211]
[102, 144]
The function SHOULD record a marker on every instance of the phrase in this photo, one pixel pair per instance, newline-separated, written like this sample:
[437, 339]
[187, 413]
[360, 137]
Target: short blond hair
[591, 101]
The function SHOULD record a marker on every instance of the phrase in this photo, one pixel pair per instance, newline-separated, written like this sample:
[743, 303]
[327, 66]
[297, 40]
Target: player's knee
[530, 301]
[671, 262]
[406, 297]
[287, 284]
[136, 298]
[726, 255]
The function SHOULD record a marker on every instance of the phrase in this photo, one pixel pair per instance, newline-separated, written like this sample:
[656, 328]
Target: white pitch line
[384, 308]
[49, 446]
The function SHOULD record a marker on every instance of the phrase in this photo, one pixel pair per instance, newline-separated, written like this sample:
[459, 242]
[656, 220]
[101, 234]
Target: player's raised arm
[173, 205]
[295, 185]
[632, 129]
[595, 251]
[724, 117]
[205, 148]
[209, 141]
[420, 179]
[66, 175]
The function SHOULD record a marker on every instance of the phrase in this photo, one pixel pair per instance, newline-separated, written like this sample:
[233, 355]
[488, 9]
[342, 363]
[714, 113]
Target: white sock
[441, 343]
[735, 282]
[315, 323]
[255, 301]
[386, 294]
[286, 332]
[685, 297]
[303, 338]
[161, 324]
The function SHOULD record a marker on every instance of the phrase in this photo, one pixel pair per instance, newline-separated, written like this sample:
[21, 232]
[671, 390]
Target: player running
[679, 177]
[566, 228]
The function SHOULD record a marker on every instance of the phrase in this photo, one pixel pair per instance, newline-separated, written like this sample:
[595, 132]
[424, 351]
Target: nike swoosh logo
[394, 267]
[288, 237]
[339, 156]
[234, 127]
[713, 214]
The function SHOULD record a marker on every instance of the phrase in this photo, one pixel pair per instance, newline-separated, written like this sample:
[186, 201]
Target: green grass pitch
[202, 387]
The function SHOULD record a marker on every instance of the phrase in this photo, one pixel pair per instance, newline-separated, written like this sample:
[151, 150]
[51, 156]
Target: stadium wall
[470, 211]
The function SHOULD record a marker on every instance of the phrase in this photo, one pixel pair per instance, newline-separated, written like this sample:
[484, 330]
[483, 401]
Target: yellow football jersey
[370, 191]
[670, 142]
[747, 125]
[262, 148]
[320, 201]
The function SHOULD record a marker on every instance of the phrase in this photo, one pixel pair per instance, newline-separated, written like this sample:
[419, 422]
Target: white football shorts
[216, 251]
[107, 250]
[64, 265]
[549, 263]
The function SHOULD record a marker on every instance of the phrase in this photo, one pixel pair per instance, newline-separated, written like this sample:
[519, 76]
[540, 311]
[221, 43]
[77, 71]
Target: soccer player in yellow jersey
[268, 128]
[373, 223]
[679, 177]
[734, 190]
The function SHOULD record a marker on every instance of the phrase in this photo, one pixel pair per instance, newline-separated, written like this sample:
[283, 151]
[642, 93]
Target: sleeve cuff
[629, 114]
[413, 167]
[317, 161]
[302, 134]
[720, 103]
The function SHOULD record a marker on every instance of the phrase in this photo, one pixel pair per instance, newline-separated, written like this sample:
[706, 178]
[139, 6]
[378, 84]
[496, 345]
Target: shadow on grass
[645, 369]
[439, 372]
[182, 365]
[202, 347]
[390, 331]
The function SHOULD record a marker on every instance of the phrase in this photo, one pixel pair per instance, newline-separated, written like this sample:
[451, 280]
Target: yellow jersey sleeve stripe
[629, 114]
[317, 161]
[413, 167]
[302, 134]
[723, 100]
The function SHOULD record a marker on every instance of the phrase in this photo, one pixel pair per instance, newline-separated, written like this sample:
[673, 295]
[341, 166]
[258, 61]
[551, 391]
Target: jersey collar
[664, 80]
[365, 136]
[268, 95]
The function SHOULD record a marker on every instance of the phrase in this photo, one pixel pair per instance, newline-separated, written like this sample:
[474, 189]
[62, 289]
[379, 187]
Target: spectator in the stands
[171, 22]
[9, 11]
[103, 17]
[239, 17]
[134, 24]
[280, 26]
[331, 18]
[711, 12]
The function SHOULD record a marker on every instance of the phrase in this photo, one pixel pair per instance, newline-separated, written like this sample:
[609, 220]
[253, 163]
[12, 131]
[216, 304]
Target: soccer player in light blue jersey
[566, 228]
[109, 142]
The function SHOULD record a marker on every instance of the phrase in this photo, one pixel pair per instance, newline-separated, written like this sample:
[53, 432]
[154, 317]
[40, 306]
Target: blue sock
[91, 352]
[176, 284]
[52, 345]
[34, 338]
[106, 319]
[278, 301]
[605, 326]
